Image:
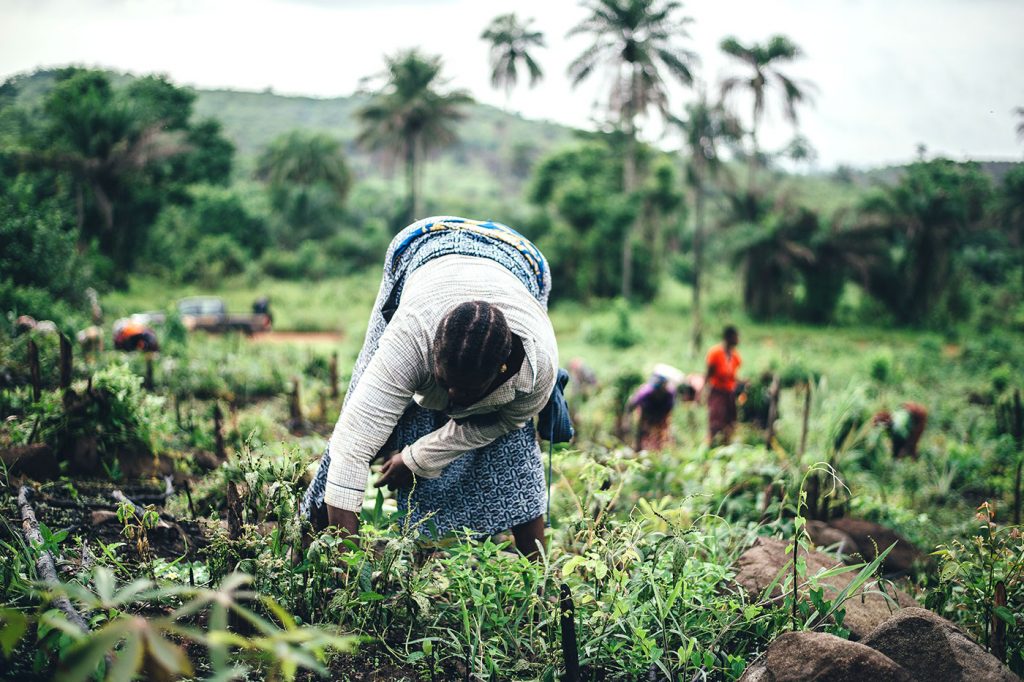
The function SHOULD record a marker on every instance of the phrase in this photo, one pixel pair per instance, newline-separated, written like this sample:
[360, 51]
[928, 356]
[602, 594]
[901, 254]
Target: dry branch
[45, 566]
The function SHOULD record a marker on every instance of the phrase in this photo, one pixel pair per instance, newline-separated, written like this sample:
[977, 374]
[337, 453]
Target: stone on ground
[931, 648]
[867, 536]
[800, 656]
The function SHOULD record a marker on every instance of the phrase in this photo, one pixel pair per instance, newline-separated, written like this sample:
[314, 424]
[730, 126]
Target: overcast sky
[890, 74]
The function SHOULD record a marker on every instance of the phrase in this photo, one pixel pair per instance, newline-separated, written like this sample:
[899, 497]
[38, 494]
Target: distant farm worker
[905, 427]
[722, 362]
[459, 356]
[655, 400]
[132, 335]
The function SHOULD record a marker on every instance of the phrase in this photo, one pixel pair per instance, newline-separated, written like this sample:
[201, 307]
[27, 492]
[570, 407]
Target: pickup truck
[209, 313]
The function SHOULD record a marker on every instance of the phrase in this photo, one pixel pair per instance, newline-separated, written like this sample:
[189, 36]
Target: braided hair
[472, 341]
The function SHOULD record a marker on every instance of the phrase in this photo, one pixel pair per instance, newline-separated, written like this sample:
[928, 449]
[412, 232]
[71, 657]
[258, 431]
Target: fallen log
[45, 566]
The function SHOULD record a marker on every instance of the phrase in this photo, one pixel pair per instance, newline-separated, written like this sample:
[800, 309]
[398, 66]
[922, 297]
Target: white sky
[890, 73]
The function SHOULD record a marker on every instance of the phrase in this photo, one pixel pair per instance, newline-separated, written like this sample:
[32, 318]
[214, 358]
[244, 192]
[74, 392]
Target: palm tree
[637, 42]
[410, 115]
[307, 179]
[511, 43]
[101, 142]
[763, 62]
[300, 158]
[705, 127]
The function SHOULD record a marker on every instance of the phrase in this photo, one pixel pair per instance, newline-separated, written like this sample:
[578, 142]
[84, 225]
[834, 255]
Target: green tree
[1010, 211]
[586, 214]
[511, 43]
[637, 42]
[307, 180]
[411, 115]
[40, 268]
[117, 156]
[705, 128]
[763, 62]
[927, 216]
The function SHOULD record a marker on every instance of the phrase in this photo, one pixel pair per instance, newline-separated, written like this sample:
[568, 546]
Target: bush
[213, 258]
[882, 367]
[619, 333]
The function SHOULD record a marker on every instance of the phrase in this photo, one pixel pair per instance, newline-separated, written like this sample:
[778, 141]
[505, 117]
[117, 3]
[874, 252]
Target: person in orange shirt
[722, 361]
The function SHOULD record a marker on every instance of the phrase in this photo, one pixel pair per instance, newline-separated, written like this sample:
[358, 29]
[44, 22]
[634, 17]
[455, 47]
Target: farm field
[652, 549]
[779, 255]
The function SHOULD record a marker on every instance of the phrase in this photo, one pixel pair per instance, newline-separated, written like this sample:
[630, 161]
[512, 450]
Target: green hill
[491, 161]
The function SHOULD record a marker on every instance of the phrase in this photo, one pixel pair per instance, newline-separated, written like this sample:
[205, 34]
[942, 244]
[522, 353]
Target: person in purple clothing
[655, 400]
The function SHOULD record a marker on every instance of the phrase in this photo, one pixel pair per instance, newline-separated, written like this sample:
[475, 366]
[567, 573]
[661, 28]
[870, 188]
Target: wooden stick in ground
[567, 620]
[807, 417]
[773, 409]
[333, 369]
[998, 645]
[66, 362]
[1018, 437]
[33, 368]
[147, 380]
[44, 561]
[218, 433]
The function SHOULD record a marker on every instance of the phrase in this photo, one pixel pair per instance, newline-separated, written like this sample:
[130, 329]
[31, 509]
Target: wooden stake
[773, 409]
[1018, 437]
[333, 372]
[807, 417]
[295, 405]
[33, 368]
[218, 433]
[570, 648]
[234, 501]
[813, 493]
[147, 381]
[998, 624]
[66, 361]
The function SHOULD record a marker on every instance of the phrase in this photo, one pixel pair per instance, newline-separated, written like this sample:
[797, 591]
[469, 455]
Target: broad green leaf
[15, 623]
[1005, 615]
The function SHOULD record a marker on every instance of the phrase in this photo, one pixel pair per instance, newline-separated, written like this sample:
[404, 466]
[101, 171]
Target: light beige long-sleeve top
[401, 371]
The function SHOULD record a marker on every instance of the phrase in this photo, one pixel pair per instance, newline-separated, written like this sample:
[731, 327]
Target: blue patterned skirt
[490, 489]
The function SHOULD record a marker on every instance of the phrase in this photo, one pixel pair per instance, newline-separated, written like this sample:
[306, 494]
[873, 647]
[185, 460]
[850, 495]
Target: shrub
[881, 367]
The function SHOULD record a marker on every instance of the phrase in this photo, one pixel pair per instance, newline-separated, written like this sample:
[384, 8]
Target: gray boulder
[931, 649]
[804, 656]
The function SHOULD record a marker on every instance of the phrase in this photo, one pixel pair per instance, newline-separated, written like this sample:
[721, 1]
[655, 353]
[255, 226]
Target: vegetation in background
[410, 115]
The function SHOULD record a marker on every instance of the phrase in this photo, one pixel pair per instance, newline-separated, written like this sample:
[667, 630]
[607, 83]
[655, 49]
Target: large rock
[760, 565]
[932, 648]
[804, 656]
[868, 536]
[824, 535]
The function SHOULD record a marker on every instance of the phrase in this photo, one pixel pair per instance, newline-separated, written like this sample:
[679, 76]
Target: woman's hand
[347, 521]
[394, 474]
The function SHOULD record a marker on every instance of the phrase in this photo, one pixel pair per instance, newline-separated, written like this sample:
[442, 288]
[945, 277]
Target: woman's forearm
[344, 519]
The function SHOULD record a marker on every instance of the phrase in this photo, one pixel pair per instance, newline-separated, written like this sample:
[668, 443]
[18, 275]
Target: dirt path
[297, 337]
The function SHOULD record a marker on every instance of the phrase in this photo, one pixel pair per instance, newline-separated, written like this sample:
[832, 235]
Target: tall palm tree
[511, 43]
[763, 62]
[706, 126]
[307, 180]
[637, 42]
[411, 114]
